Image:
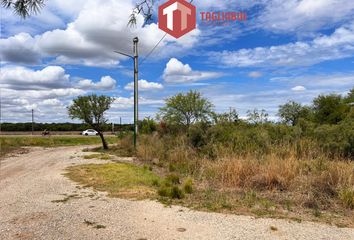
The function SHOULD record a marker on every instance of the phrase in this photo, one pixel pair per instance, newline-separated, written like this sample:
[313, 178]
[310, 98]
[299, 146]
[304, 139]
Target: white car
[89, 132]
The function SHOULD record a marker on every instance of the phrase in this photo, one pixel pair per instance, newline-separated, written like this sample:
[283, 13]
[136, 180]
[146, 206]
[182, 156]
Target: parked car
[90, 132]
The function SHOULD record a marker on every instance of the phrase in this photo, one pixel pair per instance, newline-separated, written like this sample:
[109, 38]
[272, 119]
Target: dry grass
[295, 181]
[118, 179]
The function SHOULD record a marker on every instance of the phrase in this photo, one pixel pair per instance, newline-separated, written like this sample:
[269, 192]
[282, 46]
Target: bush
[188, 186]
[172, 179]
[176, 193]
[147, 126]
[347, 197]
[337, 139]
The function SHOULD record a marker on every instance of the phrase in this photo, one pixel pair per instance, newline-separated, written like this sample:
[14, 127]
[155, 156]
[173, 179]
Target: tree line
[58, 127]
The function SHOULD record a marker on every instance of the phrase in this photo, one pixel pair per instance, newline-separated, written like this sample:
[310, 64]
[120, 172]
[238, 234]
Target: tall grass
[268, 159]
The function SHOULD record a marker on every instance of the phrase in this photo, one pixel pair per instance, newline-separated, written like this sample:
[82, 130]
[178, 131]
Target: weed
[176, 193]
[118, 179]
[188, 186]
[100, 226]
[273, 228]
[347, 197]
[98, 156]
[66, 199]
[172, 179]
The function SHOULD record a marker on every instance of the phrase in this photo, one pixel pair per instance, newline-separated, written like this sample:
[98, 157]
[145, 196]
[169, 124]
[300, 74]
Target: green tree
[24, 8]
[186, 109]
[227, 117]
[91, 109]
[257, 116]
[329, 109]
[291, 112]
[147, 126]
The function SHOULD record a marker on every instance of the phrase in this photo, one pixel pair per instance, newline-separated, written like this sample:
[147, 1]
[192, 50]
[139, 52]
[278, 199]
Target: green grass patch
[100, 156]
[9, 143]
[118, 179]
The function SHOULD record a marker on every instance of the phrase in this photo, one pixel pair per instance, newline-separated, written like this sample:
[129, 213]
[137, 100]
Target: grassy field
[118, 179]
[12, 143]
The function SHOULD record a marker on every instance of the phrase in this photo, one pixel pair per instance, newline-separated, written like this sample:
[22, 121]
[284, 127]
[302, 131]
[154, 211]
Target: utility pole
[136, 97]
[32, 121]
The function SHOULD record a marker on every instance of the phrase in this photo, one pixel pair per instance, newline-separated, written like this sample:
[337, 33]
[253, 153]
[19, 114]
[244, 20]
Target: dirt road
[38, 202]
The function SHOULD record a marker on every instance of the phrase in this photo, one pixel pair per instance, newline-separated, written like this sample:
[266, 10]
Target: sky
[286, 50]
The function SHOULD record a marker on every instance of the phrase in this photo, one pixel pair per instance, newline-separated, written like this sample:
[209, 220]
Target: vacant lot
[38, 202]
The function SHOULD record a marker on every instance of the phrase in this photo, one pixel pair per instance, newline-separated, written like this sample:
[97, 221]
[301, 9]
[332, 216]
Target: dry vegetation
[297, 180]
[301, 168]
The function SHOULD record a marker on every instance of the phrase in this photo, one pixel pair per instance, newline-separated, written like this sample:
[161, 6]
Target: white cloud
[298, 89]
[330, 81]
[255, 74]
[126, 103]
[304, 15]
[106, 83]
[51, 102]
[93, 36]
[144, 86]
[177, 72]
[19, 49]
[25, 78]
[336, 46]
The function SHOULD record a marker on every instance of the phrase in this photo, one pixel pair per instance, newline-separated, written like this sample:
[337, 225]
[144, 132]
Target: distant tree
[227, 117]
[24, 8]
[329, 109]
[291, 112]
[257, 116]
[147, 126]
[186, 109]
[91, 109]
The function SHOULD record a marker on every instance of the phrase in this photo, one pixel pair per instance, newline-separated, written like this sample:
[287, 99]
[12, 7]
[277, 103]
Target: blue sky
[287, 50]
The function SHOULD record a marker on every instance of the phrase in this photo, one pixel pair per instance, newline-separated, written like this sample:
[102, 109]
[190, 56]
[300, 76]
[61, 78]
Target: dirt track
[32, 190]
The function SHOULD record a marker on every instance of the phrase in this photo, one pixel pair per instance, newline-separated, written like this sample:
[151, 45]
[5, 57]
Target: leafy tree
[186, 109]
[91, 109]
[291, 112]
[24, 8]
[227, 117]
[329, 109]
[147, 126]
[257, 116]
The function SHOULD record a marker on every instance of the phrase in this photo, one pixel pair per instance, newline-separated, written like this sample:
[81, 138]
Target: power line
[157, 44]
[152, 50]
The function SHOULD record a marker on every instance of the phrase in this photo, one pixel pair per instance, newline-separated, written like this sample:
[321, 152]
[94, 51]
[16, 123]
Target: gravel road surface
[38, 202]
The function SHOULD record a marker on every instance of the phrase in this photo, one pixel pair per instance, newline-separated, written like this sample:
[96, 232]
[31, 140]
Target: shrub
[172, 179]
[188, 186]
[173, 192]
[347, 197]
[176, 193]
